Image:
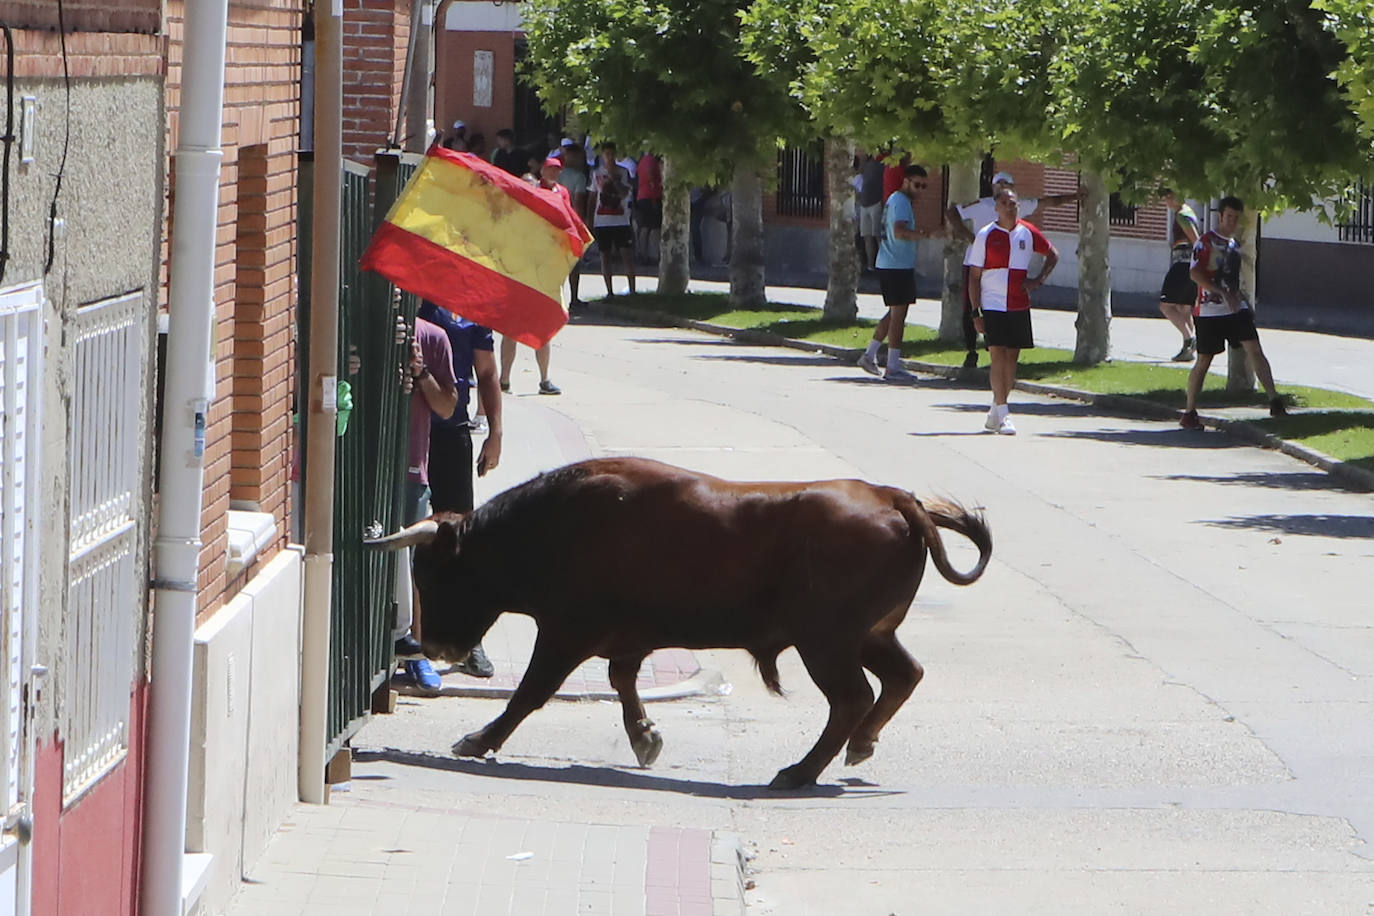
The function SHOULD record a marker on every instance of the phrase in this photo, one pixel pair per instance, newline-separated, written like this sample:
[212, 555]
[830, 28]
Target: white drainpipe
[189, 389]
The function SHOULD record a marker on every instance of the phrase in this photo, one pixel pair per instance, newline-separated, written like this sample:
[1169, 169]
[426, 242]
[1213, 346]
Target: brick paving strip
[363, 856]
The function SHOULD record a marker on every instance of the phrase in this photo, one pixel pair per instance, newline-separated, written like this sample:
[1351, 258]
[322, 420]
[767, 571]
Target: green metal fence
[370, 459]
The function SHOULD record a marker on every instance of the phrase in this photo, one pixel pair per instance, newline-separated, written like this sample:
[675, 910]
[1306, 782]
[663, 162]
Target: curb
[727, 875]
[1348, 475]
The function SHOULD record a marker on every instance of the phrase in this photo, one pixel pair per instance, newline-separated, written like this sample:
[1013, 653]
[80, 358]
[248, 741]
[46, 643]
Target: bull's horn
[422, 532]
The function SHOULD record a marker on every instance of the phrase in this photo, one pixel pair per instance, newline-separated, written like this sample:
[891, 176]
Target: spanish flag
[482, 243]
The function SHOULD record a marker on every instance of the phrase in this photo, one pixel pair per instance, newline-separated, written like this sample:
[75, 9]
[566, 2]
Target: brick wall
[1151, 222]
[85, 15]
[38, 54]
[249, 435]
[375, 36]
[453, 80]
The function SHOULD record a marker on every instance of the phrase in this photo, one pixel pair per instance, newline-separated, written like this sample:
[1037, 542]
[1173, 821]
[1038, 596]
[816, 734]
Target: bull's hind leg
[899, 673]
[551, 663]
[837, 672]
[644, 738]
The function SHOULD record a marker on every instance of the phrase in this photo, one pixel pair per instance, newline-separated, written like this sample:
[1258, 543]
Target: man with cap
[549, 182]
[458, 139]
[978, 214]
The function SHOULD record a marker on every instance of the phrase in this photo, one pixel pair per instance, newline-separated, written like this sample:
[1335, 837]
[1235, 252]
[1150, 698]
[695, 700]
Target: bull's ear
[446, 538]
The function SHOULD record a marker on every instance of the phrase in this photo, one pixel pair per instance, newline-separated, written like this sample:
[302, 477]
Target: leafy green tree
[1352, 22]
[668, 76]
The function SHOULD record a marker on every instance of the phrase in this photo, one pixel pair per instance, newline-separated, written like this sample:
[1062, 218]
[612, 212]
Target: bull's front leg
[645, 740]
[550, 665]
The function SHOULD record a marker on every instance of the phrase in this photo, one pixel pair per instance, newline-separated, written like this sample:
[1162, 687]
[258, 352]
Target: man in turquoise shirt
[896, 266]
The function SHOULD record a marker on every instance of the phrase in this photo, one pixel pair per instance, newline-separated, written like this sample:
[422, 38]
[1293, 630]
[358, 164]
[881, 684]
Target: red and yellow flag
[482, 243]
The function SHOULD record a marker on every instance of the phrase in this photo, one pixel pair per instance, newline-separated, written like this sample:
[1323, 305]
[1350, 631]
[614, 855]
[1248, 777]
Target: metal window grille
[801, 182]
[1360, 226]
[1119, 213]
[20, 352]
[103, 597]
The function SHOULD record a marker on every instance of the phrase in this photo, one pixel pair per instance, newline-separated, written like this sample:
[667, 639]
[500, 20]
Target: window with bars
[1120, 213]
[1359, 227]
[801, 181]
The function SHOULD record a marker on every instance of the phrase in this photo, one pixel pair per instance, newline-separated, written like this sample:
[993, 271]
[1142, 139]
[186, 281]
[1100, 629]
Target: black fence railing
[801, 181]
[1120, 213]
[1359, 227]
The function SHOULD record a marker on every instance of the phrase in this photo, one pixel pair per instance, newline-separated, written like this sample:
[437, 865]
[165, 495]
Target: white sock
[894, 360]
[999, 410]
[872, 350]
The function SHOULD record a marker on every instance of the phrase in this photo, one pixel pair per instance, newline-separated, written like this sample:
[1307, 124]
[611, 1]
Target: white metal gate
[104, 597]
[21, 349]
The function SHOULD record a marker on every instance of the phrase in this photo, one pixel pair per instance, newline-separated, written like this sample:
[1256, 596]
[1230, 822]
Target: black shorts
[1213, 334]
[898, 285]
[1179, 288]
[649, 213]
[613, 238]
[1007, 329]
[450, 468]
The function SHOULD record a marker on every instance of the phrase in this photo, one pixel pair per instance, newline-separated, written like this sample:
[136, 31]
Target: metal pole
[323, 379]
[190, 387]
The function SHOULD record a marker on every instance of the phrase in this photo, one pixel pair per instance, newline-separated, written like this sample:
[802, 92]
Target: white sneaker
[1007, 428]
[993, 422]
[478, 424]
[867, 364]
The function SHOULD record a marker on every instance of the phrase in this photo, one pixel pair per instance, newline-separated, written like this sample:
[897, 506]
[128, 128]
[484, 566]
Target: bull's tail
[926, 518]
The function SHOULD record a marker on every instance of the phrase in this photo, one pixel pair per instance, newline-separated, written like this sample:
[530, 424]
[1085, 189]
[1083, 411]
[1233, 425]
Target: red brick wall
[254, 282]
[89, 55]
[453, 82]
[375, 35]
[1151, 222]
[85, 15]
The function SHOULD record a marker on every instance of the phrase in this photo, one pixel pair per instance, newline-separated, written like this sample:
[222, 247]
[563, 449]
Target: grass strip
[1332, 422]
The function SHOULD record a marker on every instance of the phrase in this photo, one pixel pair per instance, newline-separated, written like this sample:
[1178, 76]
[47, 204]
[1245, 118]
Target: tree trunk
[1239, 378]
[963, 187]
[746, 243]
[674, 241]
[1094, 274]
[842, 287]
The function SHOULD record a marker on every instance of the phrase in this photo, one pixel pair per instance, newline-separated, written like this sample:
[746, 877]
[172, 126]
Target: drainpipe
[323, 381]
[190, 387]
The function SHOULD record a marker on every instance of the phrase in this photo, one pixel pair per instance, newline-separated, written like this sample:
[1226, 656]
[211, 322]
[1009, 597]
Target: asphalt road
[1157, 700]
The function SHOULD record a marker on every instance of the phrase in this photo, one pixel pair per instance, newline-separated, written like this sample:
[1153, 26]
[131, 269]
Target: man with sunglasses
[896, 266]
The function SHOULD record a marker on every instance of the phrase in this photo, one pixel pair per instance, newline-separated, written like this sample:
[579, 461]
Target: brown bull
[617, 557]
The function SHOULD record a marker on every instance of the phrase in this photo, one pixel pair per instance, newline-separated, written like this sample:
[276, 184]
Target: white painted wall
[1138, 266]
[244, 726]
[483, 16]
[1301, 227]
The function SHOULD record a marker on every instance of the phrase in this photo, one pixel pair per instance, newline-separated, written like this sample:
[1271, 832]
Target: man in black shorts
[999, 285]
[897, 273]
[1221, 315]
[609, 202]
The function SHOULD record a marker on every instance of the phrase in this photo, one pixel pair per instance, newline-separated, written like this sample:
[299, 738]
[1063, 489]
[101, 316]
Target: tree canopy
[668, 75]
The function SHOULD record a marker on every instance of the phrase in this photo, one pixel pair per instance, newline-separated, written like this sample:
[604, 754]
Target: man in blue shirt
[896, 265]
[450, 438]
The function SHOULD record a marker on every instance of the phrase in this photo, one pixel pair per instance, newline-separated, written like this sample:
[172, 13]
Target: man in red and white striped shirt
[999, 287]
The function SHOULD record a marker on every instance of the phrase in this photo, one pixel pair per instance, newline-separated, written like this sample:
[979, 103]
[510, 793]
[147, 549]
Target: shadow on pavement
[1273, 480]
[799, 359]
[1331, 526]
[1160, 438]
[610, 777]
[1031, 409]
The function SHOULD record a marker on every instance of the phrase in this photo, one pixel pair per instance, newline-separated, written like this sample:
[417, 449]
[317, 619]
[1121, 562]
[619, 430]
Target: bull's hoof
[647, 746]
[470, 746]
[791, 778]
[857, 753]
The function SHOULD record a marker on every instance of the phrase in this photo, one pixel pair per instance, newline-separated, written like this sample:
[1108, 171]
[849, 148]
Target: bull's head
[454, 617]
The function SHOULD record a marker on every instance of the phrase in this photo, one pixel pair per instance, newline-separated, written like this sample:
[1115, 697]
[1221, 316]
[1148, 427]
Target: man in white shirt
[978, 214]
[609, 201]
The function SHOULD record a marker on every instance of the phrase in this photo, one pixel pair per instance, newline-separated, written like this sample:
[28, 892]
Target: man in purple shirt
[433, 389]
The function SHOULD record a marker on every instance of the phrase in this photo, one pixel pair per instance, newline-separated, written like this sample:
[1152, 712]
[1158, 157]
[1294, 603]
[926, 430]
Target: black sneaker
[1277, 408]
[476, 664]
[408, 647]
[971, 361]
[1190, 420]
[548, 387]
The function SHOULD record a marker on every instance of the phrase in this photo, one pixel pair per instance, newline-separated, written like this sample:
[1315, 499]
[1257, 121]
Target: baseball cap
[568, 141]
[1003, 178]
[554, 161]
[459, 125]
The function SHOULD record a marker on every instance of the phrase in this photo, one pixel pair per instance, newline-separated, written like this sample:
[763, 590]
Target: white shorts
[871, 220]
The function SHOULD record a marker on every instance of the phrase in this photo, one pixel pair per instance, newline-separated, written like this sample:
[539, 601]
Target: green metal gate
[370, 459]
